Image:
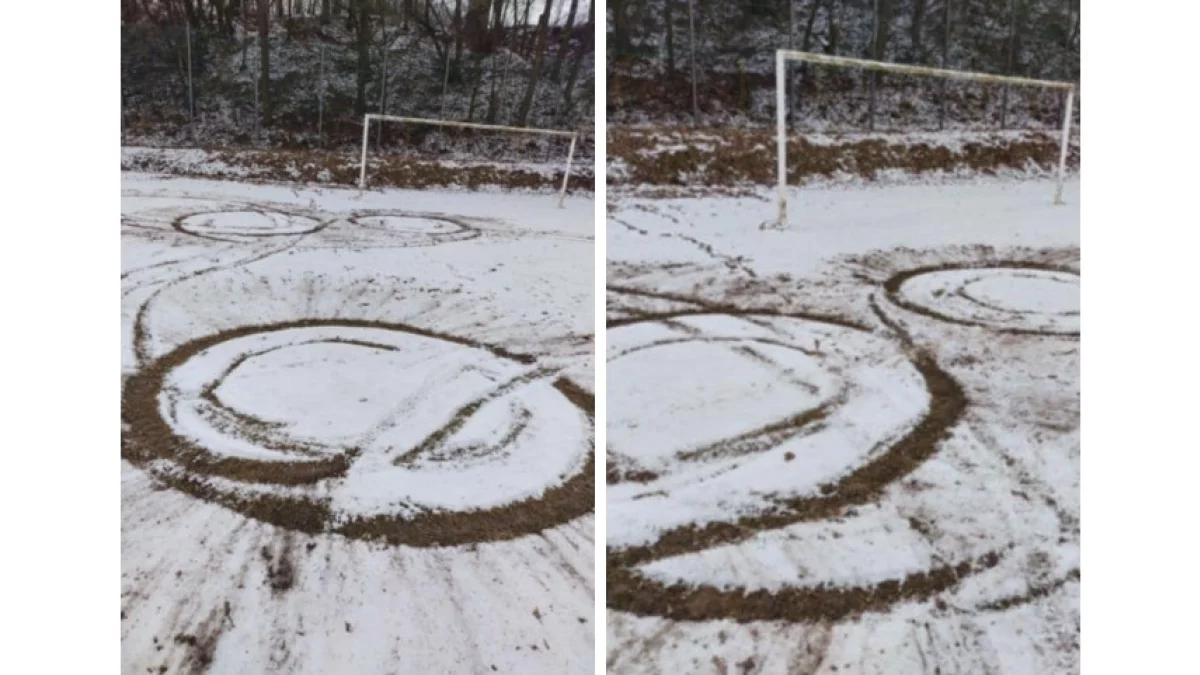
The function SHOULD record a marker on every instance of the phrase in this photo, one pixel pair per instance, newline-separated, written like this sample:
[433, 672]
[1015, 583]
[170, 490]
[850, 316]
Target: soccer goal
[362, 173]
[783, 56]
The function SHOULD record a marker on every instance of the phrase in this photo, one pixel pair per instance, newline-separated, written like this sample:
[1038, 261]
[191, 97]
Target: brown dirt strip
[630, 591]
[318, 167]
[892, 286]
[1033, 594]
[148, 439]
[432, 443]
[736, 157]
[141, 335]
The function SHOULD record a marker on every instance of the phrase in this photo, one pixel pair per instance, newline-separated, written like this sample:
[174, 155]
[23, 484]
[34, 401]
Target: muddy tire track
[149, 440]
[633, 592]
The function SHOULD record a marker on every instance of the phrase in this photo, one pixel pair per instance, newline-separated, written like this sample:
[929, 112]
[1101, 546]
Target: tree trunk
[363, 40]
[944, 63]
[525, 38]
[805, 44]
[478, 68]
[458, 31]
[564, 43]
[914, 31]
[589, 35]
[189, 10]
[1009, 62]
[475, 25]
[620, 11]
[538, 57]
[669, 20]
[883, 18]
[264, 56]
[324, 11]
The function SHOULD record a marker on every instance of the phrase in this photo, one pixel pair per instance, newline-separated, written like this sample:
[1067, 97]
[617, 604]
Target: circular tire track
[893, 288]
[295, 224]
[408, 227]
[296, 497]
[630, 591]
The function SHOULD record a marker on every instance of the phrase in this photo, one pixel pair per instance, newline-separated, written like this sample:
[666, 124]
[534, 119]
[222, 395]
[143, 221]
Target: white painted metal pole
[781, 135]
[570, 155]
[1062, 153]
[362, 171]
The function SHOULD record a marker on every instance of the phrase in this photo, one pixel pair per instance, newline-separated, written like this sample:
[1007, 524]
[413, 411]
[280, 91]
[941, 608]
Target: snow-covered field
[851, 446]
[357, 430]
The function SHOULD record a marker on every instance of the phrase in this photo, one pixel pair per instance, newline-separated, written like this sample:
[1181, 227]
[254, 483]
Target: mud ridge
[893, 284]
[630, 591]
[148, 441]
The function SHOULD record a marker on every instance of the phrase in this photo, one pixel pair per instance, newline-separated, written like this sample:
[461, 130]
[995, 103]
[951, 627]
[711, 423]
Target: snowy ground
[851, 446]
[357, 430]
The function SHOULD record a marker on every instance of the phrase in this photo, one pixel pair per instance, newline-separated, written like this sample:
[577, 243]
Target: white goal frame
[362, 171]
[782, 56]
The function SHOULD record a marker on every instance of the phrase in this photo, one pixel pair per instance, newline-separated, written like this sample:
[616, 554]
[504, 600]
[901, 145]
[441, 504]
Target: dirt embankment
[733, 157]
[331, 168]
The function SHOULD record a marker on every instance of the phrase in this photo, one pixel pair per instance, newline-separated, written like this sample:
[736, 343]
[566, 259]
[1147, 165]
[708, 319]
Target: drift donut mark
[325, 484]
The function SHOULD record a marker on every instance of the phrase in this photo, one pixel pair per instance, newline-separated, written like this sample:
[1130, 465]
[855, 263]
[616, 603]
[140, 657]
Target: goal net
[783, 56]
[362, 174]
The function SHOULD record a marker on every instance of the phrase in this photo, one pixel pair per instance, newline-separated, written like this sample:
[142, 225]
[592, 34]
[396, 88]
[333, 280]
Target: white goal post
[782, 56]
[362, 173]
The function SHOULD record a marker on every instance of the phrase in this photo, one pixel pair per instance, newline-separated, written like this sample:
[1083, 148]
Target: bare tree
[669, 20]
[264, 56]
[539, 55]
[914, 30]
[564, 42]
[589, 34]
[363, 41]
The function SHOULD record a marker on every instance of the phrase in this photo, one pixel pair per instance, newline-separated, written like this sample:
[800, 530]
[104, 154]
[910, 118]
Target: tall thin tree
[539, 54]
[564, 41]
[264, 57]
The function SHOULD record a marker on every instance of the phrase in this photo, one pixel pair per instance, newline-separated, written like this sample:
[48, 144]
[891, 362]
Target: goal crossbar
[782, 56]
[362, 173]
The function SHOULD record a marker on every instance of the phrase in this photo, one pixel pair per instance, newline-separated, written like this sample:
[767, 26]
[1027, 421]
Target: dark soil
[747, 156]
[147, 436]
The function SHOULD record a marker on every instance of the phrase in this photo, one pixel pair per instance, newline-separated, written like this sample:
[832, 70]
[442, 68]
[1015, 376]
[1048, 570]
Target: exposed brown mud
[631, 591]
[893, 284]
[320, 167]
[725, 158]
[149, 441]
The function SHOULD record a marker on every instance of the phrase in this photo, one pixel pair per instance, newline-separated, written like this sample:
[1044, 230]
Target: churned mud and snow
[850, 446]
[357, 430]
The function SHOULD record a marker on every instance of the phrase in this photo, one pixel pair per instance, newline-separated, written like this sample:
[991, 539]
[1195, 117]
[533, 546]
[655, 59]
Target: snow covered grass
[875, 467]
[353, 420]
